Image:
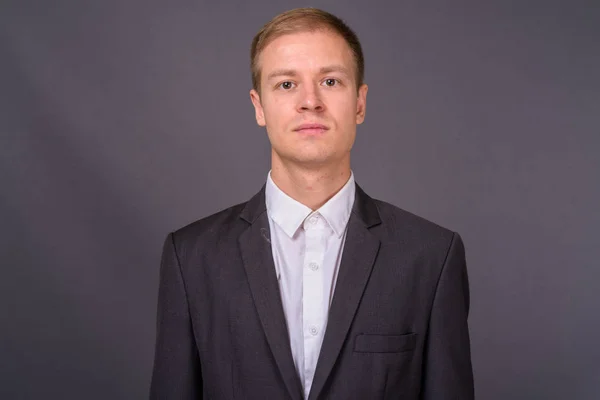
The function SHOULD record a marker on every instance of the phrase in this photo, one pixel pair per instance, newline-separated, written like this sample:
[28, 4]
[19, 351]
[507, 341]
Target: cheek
[270, 113]
[280, 118]
[345, 111]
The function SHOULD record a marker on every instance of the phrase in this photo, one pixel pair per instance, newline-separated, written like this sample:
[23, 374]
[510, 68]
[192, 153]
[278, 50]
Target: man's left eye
[330, 82]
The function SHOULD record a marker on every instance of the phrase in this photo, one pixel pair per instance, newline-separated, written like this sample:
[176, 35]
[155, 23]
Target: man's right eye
[287, 85]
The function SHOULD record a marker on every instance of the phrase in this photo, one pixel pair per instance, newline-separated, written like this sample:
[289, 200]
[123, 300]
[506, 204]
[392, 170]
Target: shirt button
[313, 266]
[313, 220]
[313, 330]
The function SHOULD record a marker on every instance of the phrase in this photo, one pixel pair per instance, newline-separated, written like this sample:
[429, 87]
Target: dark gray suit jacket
[397, 326]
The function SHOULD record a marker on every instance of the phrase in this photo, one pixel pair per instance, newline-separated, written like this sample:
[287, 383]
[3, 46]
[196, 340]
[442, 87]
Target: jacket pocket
[372, 343]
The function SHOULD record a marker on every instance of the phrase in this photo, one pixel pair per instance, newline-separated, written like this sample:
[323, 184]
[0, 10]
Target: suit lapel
[360, 250]
[260, 270]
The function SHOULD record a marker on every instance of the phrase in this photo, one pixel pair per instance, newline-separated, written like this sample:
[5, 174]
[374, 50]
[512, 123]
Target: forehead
[306, 51]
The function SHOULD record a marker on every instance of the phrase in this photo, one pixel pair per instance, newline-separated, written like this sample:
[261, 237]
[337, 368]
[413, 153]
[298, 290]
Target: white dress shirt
[307, 250]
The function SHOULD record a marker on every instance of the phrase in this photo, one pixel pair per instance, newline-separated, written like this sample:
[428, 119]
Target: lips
[311, 128]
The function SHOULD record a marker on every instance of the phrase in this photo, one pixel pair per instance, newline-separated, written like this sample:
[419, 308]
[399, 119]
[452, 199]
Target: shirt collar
[289, 214]
[337, 209]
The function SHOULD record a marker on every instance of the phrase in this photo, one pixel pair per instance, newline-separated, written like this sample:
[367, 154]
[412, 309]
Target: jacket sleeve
[176, 373]
[447, 370]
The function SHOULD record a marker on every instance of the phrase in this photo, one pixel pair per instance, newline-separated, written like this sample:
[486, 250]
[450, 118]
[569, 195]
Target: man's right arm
[176, 373]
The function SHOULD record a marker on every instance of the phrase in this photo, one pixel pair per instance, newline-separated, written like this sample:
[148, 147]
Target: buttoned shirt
[307, 249]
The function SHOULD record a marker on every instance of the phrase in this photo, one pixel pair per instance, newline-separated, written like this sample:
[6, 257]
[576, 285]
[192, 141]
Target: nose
[310, 100]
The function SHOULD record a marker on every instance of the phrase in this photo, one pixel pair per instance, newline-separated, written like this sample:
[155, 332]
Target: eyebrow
[335, 68]
[324, 70]
[281, 72]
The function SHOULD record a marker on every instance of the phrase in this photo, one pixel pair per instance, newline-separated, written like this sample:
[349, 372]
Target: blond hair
[304, 20]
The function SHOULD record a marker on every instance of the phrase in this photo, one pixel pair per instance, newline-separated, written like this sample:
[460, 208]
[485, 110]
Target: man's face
[308, 98]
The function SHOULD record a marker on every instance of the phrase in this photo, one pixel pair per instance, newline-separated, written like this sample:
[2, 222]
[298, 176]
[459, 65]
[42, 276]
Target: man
[312, 289]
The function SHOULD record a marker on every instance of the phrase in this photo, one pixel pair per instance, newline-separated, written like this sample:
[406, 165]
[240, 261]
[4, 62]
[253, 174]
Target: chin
[314, 160]
[307, 155]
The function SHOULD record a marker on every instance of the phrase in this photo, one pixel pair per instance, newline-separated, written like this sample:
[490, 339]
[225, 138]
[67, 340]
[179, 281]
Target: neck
[312, 187]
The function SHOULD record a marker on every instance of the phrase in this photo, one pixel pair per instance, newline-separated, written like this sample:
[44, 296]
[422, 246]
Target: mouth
[311, 129]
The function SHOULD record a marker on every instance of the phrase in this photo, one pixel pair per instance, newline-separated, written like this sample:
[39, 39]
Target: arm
[447, 370]
[176, 373]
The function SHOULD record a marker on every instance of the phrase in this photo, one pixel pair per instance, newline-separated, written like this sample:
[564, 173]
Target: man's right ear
[258, 110]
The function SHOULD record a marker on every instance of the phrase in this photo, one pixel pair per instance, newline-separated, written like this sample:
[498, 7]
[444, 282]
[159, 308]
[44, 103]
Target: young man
[312, 289]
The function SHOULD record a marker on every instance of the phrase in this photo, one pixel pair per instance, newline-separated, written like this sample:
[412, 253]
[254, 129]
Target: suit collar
[254, 207]
[364, 207]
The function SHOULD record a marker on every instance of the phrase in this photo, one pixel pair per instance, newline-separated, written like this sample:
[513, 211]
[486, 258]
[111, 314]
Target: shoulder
[210, 230]
[401, 226]
[392, 214]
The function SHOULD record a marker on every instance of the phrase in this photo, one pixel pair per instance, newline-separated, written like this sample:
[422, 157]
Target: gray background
[123, 120]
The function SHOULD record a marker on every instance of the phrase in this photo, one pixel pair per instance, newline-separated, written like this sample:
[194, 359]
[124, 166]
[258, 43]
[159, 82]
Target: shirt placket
[312, 294]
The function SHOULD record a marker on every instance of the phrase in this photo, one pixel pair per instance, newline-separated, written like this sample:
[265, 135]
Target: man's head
[304, 20]
[307, 74]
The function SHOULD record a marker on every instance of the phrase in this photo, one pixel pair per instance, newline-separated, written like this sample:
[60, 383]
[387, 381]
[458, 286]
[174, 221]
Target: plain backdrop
[123, 120]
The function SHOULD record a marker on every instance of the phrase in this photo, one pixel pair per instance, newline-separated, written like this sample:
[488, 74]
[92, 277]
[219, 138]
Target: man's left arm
[447, 370]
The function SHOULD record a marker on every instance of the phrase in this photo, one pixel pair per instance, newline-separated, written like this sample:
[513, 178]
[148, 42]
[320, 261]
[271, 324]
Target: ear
[361, 103]
[258, 110]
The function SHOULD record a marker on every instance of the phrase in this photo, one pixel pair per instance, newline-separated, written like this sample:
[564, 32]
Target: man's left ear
[361, 103]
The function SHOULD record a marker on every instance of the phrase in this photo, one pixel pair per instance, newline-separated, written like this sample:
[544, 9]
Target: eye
[330, 82]
[287, 85]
